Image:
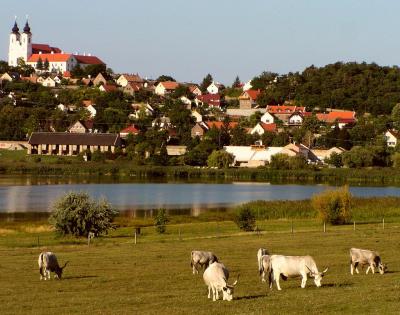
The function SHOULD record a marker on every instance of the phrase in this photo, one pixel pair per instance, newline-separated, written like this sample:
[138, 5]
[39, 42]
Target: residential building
[392, 138]
[166, 87]
[261, 128]
[248, 99]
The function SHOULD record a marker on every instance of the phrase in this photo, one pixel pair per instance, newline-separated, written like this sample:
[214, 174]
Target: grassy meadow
[115, 276]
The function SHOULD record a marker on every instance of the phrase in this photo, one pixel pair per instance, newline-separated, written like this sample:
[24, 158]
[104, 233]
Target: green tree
[335, 159]
[395, 115]
[245, 219]
[236, 84]
[39, 64]
[220, 159]
[77, 214]
[279, 161]
[46, 65]
[160, 221]
[396, 160]
[163, 78]
[208, 79]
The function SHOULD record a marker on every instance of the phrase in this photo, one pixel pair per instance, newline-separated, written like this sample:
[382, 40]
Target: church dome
[15, 28]
[27, 28]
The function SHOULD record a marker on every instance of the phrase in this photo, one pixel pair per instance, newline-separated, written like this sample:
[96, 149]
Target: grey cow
[260, 253]
[201, 259]
[364, 257]
[48, 263]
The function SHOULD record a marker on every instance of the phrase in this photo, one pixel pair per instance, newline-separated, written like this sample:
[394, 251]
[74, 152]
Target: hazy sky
[188, 39]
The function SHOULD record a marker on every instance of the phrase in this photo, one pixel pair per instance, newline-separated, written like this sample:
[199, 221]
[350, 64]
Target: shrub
[245, 218]
[333, 206]
[160, 221]
[220, 159]
[77, 214]
[98, 156]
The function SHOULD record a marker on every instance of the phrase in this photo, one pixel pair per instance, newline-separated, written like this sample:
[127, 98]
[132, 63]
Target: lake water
[39, 196]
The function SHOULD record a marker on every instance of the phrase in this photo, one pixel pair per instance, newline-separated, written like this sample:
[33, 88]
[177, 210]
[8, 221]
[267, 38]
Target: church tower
[20, 45]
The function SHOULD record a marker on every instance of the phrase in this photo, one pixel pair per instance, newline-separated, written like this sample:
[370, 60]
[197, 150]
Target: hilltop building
[21, 47]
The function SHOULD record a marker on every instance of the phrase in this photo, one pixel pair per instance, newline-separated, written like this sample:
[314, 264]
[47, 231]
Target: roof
[109, 87]
[244, 112]
[395, 133]
[285, 109]
[268, 127]
[210, 99]
[87, 103]
[133, 78]
[134, 85]
[192, 88]
[346, 116]
[44, 48]
[131, 129]
[88, 60]
[252, 94]
[220, 124]
[65, 138]
[49, 57]
[170, 85]
[249, 153]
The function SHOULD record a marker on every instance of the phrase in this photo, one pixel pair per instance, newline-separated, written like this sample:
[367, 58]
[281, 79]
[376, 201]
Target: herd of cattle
[275, 267]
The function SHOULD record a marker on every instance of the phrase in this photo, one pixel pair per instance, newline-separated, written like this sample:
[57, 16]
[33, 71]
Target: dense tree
[39, 64]
[46, 65]
[395, 115]
[208, 79]
[236, 83]
[220, 159]
[163, 78]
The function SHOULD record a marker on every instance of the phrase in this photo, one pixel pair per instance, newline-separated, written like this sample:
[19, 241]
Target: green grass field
[115, 276]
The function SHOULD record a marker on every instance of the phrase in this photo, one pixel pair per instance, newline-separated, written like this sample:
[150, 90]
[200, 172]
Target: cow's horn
[237, 279]
[325, 270]
[65, 265]
[309, 269]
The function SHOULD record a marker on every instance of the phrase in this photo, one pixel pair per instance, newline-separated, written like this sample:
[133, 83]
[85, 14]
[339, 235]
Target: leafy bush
[98, 156]
[333, 206]
[161, 220]
[220, 159]
[245, 218]
[77, 214]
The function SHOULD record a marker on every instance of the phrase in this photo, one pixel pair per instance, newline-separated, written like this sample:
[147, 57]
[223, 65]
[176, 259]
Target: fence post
[179, 231]
[324, 227]
[89, 237]
[354, 225]
[292, 227]
[135, 237]
[383, 223]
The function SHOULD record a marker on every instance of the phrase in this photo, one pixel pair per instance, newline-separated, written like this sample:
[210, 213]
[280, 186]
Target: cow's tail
[191, 259]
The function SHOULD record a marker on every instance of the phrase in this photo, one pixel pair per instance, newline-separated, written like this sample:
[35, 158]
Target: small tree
[46, 65]
[333, 206]
[161, 220]
[77, 214]
[245, 218]
[39, 64]
[220, 159]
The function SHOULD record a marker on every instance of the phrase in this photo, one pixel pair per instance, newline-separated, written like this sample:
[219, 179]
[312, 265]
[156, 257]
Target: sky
[188, 39]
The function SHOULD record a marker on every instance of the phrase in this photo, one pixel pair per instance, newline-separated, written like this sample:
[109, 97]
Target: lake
[27, 195]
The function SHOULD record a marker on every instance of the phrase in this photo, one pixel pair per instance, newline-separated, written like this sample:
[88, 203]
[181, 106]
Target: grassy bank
[115, 276]
[18, 163]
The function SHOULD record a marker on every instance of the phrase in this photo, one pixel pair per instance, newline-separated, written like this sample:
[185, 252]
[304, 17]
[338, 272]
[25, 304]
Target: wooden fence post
[324, 227]
[179, 231]
[292, 227]
[135, 237]
[354, 225]
[383, 223]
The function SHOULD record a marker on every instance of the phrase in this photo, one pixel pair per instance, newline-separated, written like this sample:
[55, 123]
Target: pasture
[115, 276]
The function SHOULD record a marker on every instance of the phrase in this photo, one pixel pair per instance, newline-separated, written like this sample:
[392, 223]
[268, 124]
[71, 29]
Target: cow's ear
[224, 288]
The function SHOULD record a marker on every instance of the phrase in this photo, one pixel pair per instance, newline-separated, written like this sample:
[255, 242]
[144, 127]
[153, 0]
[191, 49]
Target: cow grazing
[216, 278]
[366, 257]
[48, 263]
[201, 259]
[294, 266]
[266, 269]
[260, 253]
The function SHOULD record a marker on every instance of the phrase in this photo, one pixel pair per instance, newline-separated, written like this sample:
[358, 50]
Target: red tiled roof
[133, 78]
[44, 48]
[67, 74]
[109, 87]
[170, 85]
[346, 116]
[210, 99]
[253, 94]
[135, 86]
[88, 60]
[268, 127]
[131, 129]
[49, 57]
[284, 109]
[220, 124]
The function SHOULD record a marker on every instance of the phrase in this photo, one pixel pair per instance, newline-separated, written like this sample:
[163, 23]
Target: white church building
[21, 47]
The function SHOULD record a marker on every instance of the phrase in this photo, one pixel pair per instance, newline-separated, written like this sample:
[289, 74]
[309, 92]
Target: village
[58, 103]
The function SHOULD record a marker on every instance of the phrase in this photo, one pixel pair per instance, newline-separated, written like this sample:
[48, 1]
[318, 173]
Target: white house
[166, 87]
[49, 82]
[124, 79]
[392, 137]
[322, 155]
[213, 88]
[267, 118]
[6, 77]
[62, 108]
[89, 106]
[252, 156]
[261, 128]
[296, 119]
[197, 116]
[186, 101]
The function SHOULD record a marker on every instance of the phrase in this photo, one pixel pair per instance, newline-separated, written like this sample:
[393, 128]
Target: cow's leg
[368, 269]
[209, 292]
[214, 293]
[303, 280]
[373, 268]
[195, 270]
[356, 267]
[351, 268]
[217, 292]
[41, 273]
[277, 276]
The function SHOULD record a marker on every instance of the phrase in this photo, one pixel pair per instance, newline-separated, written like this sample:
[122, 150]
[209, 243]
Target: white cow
[294, 266]
[201, 259]
[48, 263]
[366, 257]
[216, 279]
[265, 269]
[261, 252]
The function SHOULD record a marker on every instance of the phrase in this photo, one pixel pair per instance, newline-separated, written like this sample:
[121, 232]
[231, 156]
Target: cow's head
[227, 292]
[317, 276]
[59, 270]
[382, 268]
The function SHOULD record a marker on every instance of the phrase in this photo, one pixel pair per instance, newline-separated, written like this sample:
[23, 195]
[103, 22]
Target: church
[21, 47]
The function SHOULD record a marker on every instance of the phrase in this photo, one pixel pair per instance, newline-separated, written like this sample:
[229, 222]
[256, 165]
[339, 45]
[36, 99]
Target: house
[186, 101]
[392, 137]
[319, 155]
[57, 79]
[62, 107]
[198, 130]
[124, 79]
[99, 79]
[40, 80]
[6, 77]
[176, 150]
[129, 130]
[131, 88]
[285, 109]
[342, 117]
[143, 108]
[87, 81]
[293, 149]
[252, 156]
[166, 87]
[261, 128]
[64, 143]
[197, 116]
[89, 106]
[214, 88]
[32, 79]
[297, 118]
[220, 124]
[49, 82]
[237, 112]
[267, 118]
[81, 126]
[107, 88]
[194, 89]
[248, 99]
[162, 122]
[13, 145]
[212, 100]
